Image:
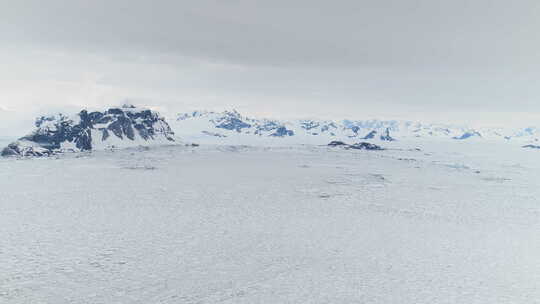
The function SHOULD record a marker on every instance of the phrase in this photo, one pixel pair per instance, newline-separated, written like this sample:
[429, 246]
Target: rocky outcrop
[365, 146]
[24, 149]
[370, 135]
[337, 143]
[232, 121]
[313, 127]
[386, 136]
[282, 131]
[356, 146]
[86, 131]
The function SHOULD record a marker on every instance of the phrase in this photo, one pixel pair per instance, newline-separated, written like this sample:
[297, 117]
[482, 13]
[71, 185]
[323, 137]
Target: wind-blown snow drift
[116, 127]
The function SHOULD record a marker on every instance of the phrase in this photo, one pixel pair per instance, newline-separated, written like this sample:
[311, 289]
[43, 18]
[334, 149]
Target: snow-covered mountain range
[232, 127]
[113, 128]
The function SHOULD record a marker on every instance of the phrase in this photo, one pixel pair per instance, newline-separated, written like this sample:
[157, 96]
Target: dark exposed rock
[277, 129]
[105, 134]
[10, 150]
[83, 139]
[232, 121]
[386, 136]
[86, 129]
[468, 135]
[115, 111]
[370, 135]
[336, 143]
[309, 124]
[531, 146]
[364, 146]
[18, 149]
[266, 126]
[328, 126]
[312, 125]
[357, 146]
[281, 132]
[233, 124]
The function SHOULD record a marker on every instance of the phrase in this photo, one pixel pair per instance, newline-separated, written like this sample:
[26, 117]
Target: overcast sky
[453, 60]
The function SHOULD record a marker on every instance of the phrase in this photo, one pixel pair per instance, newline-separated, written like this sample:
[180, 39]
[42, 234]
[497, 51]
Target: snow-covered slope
[114, 128]
[232, 127]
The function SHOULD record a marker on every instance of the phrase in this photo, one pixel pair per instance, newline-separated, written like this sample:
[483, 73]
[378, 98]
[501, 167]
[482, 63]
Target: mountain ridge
[86, 131]
[126, 126]
[228, 124]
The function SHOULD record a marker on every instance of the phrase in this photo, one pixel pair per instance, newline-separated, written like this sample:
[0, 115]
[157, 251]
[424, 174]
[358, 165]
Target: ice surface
[445, 223]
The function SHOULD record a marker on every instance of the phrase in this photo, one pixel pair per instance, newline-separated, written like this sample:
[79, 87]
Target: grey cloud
[360, 58]
[308, 33]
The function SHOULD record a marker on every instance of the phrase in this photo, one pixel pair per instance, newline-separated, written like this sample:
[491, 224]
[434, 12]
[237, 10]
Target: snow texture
[419, 222]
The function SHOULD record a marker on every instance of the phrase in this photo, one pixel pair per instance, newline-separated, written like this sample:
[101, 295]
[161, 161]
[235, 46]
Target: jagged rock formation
[365, 146]
[232, 121]
[282, 131]
[18, 149]
[356, 146]
[115, 127]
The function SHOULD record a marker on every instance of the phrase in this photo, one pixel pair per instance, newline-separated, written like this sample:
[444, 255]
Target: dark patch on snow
[14, 149]
[468, 135]
[365, 146]
[232, 121]
[281, 132]
[309, 124]
[336, 143]
[370, 135]
[407, 159]
[233, 124]
[213, 134]
[356, 146]
[386, 136]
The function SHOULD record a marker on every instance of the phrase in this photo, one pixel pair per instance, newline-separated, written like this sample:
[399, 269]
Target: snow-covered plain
[453, 222]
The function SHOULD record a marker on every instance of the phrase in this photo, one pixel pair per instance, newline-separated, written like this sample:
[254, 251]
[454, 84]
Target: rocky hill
[113, 128]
